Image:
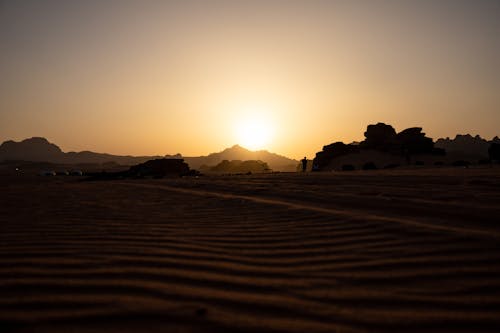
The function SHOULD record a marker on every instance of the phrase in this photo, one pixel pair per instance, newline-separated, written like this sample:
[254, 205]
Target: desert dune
[380, 251]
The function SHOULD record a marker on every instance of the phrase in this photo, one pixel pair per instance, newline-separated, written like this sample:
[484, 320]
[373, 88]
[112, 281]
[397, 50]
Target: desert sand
[379, 251]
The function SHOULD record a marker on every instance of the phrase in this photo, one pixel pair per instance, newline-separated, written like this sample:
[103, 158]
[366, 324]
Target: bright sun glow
[254, 132]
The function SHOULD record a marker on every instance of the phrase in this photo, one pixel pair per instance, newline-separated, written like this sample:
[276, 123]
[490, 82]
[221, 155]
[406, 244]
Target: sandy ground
[382, 251]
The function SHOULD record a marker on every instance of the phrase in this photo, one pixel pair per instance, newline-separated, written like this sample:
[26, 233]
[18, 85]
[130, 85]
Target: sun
[254, 132]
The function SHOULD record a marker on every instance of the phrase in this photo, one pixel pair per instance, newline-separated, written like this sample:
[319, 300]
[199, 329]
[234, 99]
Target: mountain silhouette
[34, 149]
[276, 162]
[39, 149]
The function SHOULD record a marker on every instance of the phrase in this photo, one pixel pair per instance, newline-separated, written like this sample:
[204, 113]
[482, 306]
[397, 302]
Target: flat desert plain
[380, 251]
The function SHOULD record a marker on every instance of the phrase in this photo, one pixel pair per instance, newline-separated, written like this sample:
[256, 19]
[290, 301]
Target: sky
[194, 77]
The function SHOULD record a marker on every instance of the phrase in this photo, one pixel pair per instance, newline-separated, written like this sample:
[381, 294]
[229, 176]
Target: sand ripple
[263, 253]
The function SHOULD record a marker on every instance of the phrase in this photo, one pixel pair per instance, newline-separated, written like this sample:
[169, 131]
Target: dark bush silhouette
[369, 166]
[419, 163]
[437, 163]
[494, 152]
[348, 167]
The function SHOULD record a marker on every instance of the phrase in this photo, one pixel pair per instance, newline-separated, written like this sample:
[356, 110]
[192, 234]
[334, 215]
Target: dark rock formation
[160, 168]
[332, 151]
[379, 137]
[494, 152]
[157, 168]
[382, 138]
[413, 141]
[466, 146]
[251, 166]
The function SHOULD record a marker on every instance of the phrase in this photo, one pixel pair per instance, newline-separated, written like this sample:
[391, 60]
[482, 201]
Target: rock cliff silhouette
[381, 143]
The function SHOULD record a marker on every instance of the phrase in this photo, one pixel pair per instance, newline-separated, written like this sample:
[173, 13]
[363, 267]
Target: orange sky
[161, 77]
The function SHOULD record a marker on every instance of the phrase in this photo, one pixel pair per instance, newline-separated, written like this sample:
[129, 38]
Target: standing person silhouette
[304, 164]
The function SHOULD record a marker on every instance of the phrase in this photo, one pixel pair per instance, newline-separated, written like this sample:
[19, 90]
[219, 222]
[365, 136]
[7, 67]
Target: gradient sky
[161, 77]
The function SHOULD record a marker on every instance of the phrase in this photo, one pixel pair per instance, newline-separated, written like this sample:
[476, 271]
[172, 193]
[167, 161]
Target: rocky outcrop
[465, 146]
[379, 137]
[331, 152]
[413, 141]
[251, 166]
[494, 152]
[381, 141]
[160, 168]
[157, 168]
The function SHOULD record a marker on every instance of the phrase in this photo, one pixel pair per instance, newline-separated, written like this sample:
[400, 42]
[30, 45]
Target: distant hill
[467, 146]
[34, 149]
[276, 162]
[41, 150]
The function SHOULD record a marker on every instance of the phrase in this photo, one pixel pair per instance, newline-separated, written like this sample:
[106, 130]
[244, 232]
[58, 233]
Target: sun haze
[161, 77]
[254, 133]
[254, 127]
